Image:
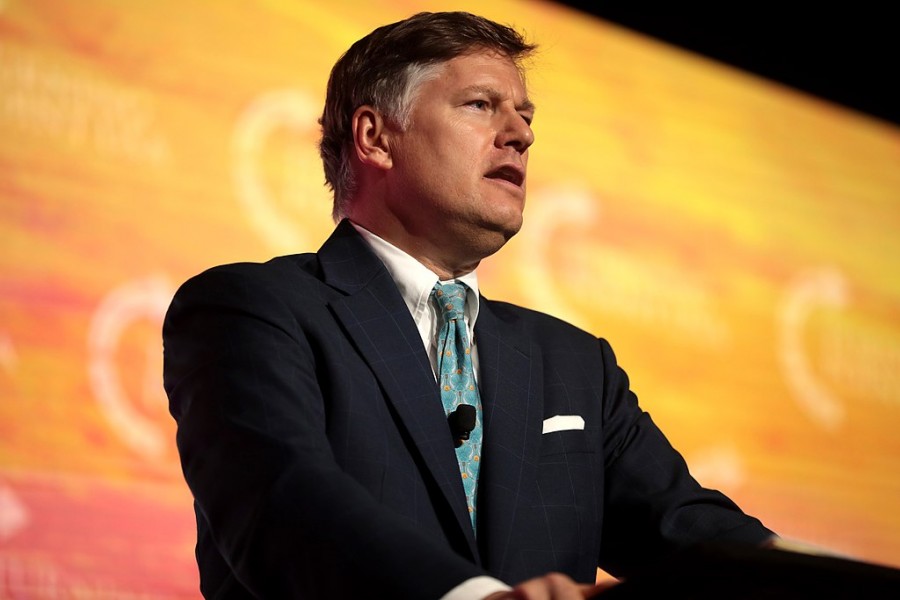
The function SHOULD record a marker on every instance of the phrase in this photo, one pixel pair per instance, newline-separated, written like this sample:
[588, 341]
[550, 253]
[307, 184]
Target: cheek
[451, 157]
[459, 162]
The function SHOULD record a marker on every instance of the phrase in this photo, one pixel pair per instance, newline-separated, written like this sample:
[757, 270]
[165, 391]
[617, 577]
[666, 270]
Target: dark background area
[844, 52]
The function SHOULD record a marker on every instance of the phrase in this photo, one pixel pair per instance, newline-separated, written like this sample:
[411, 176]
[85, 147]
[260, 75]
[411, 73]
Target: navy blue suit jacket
[313, 438]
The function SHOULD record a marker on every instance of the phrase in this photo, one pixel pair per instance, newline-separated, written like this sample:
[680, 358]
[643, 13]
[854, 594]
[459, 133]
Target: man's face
[457, 182]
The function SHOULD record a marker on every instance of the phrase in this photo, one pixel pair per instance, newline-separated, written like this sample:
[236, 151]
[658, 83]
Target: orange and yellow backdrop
[736, 241]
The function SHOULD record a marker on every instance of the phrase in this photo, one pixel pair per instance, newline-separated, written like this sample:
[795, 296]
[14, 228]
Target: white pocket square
[563, 423]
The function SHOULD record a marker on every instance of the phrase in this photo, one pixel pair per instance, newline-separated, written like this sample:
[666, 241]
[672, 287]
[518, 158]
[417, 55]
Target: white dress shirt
[415, 282]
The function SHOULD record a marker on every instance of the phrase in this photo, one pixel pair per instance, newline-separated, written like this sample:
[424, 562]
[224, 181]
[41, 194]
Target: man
[312, 429]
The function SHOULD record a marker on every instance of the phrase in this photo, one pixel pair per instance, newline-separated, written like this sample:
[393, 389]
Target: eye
[479, 104]
[527, 118]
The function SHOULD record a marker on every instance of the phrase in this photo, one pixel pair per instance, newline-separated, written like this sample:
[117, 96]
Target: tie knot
[451, 298]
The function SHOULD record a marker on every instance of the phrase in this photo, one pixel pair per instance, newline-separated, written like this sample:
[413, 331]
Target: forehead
[486, 70]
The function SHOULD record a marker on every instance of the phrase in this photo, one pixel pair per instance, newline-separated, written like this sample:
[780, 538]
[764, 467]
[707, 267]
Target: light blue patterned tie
[457, 380]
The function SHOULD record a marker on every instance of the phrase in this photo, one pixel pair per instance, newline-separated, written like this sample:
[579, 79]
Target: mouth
[510, 173]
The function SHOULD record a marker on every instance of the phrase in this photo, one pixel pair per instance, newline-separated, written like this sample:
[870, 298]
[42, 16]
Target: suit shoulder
[290, 282]
[272, 273]
[540, 322]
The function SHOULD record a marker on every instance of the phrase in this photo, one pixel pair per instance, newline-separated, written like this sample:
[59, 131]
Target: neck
[445, 273]
[431, 256]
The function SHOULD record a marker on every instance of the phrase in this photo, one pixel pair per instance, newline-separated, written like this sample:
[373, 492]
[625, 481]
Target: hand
[553, 586]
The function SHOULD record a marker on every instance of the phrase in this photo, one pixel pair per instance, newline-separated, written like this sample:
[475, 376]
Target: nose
[515, 132]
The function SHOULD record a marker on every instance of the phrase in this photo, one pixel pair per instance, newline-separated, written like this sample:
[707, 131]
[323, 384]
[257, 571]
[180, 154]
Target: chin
[511, 225]
[493, 235]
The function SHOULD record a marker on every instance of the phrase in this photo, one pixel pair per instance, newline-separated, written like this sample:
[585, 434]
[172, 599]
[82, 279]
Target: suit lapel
[379, 324]
[513, 411]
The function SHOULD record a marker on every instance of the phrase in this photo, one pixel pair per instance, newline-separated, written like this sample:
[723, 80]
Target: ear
[371, 137]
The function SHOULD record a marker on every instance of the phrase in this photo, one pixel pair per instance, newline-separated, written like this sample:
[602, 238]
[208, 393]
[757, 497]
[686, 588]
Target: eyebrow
[526, 105]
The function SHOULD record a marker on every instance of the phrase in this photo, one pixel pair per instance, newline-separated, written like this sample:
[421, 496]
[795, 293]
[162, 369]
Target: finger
[594, 590]
[553, 586]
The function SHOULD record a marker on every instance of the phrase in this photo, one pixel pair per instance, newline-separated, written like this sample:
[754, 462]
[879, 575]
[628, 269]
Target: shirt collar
[414, 280]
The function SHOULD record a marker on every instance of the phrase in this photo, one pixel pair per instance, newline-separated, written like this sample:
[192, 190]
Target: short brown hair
[383, 69]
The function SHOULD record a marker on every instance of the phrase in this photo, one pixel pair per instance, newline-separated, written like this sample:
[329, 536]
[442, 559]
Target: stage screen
[736, 242]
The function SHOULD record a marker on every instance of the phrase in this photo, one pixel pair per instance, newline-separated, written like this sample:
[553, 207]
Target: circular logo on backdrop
[125, 364]
[565, 253]
[552, 210]
[277, 170]
[808, 293]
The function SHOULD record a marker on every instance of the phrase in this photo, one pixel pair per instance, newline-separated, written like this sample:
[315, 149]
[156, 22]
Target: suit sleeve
[284, 520]
[653, 505]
